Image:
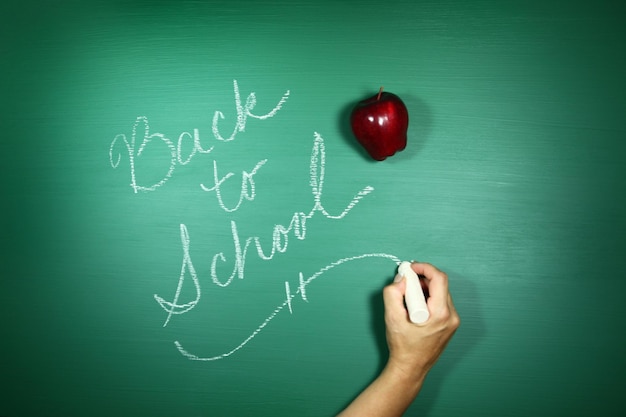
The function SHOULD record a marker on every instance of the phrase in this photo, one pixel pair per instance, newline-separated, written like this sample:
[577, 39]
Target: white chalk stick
[414, 297]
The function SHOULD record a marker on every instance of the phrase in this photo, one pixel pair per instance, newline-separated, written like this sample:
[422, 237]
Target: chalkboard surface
[190, 229]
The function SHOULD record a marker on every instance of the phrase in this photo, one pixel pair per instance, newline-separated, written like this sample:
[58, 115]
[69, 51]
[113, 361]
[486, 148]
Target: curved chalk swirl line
[280, 307]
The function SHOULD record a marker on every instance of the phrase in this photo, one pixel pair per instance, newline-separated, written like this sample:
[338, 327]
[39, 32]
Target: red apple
[380, 124]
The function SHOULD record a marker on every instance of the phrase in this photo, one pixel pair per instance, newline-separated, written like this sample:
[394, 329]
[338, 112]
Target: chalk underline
[287, 303]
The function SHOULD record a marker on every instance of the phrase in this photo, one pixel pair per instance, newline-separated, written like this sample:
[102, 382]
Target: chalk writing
[142, 122]
[288, 301]
[172, 307]
[280, 235]
[174, 153]
[248, 188]
[171, 154]
[243, 113]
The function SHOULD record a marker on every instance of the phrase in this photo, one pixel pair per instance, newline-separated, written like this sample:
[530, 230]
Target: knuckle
[448, 318]
[455, 321]
[444, 315]
[388, 291]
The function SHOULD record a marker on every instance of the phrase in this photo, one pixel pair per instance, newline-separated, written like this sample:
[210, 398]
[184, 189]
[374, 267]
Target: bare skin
[413, 348]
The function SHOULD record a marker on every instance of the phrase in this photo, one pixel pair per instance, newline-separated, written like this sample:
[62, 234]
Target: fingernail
[398, 278]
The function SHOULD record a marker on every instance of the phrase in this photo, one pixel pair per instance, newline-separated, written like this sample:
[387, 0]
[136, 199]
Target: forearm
[389, 395]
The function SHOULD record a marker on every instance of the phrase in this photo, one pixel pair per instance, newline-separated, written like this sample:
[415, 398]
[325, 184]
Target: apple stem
[379, 93]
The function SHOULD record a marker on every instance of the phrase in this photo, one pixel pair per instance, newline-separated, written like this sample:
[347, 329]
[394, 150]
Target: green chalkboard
[190, 229]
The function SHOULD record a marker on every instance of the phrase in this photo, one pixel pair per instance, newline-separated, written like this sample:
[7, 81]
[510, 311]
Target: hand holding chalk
[413, 348]
[414, 297]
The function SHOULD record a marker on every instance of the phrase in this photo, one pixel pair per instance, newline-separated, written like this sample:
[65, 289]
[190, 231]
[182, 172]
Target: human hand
[414, 348]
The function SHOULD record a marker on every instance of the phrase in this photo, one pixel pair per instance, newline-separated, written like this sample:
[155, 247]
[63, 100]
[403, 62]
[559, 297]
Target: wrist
[410, 376]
